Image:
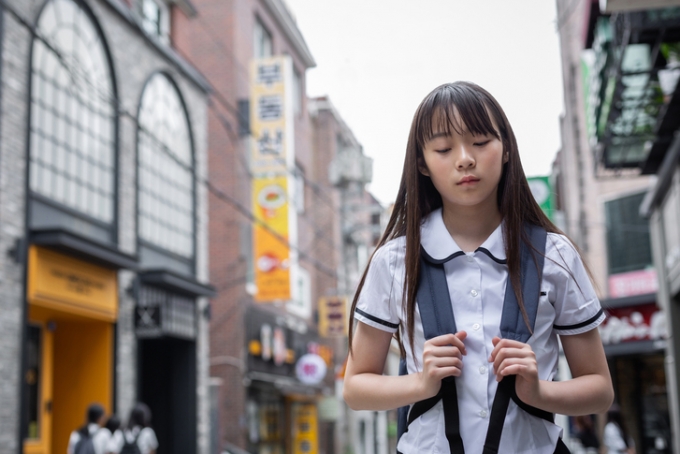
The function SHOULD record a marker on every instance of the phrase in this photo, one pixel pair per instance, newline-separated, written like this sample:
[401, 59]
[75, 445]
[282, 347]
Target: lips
[468, 179]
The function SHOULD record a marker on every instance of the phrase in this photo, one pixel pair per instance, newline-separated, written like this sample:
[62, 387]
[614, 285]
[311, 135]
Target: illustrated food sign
[272, 154]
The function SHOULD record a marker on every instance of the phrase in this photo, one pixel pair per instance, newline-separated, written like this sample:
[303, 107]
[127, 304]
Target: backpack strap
[436, 315]
[514, 327]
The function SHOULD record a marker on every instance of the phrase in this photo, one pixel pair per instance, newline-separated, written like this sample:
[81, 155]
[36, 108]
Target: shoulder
[389, 256]
[558, 245]
[562, 256]
[148, 437]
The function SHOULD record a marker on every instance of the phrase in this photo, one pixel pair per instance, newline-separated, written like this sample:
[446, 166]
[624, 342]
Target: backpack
[85, 445]
[434, 304]
[131, 447]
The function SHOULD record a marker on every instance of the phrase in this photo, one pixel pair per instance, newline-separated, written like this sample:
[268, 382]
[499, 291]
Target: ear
[422, 168]
[506, 157]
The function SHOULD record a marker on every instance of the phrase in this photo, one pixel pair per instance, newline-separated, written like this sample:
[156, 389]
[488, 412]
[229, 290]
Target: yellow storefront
[72, 308]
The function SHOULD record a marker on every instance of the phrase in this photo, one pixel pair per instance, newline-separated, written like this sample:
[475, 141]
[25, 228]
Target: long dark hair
[140, 416]
[417, 197]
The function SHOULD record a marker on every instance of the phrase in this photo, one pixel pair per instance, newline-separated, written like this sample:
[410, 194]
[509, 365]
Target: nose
[465, 159]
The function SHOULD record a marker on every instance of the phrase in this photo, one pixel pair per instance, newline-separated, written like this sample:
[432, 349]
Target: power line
[110, 97]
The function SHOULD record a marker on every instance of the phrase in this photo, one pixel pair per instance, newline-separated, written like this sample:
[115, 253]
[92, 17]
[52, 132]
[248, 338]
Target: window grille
[166, 183]
[72, 129]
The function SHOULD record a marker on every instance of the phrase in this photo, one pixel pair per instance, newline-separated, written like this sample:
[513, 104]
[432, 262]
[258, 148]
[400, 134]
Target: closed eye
[481, 144]
[444, 150]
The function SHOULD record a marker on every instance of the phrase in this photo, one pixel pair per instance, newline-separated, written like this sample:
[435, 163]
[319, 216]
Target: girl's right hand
[442, 357]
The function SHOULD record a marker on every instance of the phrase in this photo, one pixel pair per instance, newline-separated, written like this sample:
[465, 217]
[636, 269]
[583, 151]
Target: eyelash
[477, 144]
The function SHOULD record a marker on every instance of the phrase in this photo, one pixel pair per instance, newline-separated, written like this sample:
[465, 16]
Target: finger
[449, 340]
[517, 366]
[445, 351]
[434, 362]
[513, 354]
[500, 344]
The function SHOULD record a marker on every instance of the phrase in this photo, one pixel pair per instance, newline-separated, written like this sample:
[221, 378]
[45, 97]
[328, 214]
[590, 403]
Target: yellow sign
[272, 155]
[269, 109]
[332, 316]
[271, 253]
[305, 428]
[67, 284]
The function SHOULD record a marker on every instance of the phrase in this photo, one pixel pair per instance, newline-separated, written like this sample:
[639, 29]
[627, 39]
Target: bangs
[454, 108]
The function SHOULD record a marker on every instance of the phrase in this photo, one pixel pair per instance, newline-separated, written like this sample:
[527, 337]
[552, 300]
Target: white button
[482, 370]
[470, 258]
[482, 413]
[476, 326]
[473, 292]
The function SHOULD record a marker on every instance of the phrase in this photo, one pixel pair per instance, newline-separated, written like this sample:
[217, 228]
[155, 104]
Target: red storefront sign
[641, 282]
[633, 323]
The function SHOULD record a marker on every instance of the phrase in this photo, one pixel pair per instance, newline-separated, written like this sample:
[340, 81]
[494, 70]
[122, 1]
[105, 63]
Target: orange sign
[272, 155]
[271, 253]
[67, 284]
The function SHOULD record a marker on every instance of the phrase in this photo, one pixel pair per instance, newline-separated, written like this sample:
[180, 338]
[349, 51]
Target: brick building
[261, 403]
[616, 130]
[103, 206]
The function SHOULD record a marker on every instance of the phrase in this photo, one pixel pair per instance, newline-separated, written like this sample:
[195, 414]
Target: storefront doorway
[70, 346]
[167, 377]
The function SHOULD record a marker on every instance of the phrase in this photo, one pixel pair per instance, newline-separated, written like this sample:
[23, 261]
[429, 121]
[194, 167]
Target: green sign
[543, 194]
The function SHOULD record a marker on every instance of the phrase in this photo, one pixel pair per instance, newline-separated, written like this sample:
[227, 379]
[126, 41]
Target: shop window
[166, 181]
[72, 129]
[32, 383]
[262, 41]
[628, 241]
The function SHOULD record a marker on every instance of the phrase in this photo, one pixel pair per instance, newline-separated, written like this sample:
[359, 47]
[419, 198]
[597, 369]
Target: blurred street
[184, 227]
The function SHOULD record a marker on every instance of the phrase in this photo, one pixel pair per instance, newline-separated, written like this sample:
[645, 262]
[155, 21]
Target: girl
[138, 437]
[463, 200]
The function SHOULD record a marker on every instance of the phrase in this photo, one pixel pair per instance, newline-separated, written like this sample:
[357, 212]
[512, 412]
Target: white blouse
[568, 305]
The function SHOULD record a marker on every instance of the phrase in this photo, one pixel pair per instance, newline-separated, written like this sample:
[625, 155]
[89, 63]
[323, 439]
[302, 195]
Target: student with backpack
[138, 437]
[91, 438]
[477, 284]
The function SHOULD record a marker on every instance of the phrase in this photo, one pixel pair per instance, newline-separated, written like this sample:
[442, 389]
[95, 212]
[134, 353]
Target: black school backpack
[85, 445]
[130, 447]
[434, 304]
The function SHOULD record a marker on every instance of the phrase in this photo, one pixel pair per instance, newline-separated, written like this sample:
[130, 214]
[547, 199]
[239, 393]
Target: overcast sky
[377, 59]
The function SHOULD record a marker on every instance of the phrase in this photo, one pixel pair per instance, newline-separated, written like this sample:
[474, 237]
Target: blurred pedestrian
[585, 432]
[617, 439]
[90, 438]
[113, 426]
[138, 437]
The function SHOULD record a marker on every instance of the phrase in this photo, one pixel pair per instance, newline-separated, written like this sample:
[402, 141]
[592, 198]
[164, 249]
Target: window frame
[111, 228]
[191, 262]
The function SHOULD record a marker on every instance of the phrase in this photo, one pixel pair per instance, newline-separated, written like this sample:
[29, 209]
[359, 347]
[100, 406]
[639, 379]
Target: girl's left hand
[511, 357]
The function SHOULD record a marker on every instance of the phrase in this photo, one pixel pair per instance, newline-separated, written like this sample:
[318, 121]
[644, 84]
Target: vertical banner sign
[332, 316]
[305, 428]
[272, 154]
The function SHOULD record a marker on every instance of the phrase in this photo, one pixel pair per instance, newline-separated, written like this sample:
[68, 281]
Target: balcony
[631, 100]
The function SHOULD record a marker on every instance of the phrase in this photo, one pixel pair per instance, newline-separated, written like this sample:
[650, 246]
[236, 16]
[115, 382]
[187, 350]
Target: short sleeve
[147, 440]
[376, 305]
[577, 308]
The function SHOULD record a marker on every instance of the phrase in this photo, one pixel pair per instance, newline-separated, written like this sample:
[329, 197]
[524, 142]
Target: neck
[471, 226]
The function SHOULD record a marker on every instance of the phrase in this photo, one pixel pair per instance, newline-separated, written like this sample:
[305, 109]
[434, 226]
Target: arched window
[72, 141]
[166, 181]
